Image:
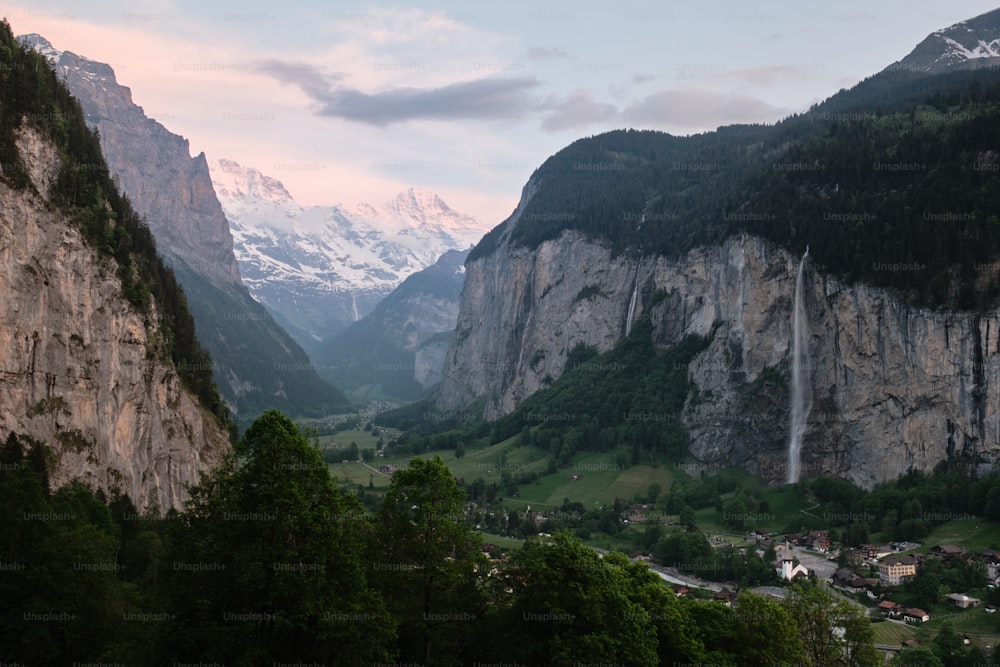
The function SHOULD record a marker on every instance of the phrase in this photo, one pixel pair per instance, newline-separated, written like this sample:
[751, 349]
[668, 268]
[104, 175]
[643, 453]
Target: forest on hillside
[894, 183]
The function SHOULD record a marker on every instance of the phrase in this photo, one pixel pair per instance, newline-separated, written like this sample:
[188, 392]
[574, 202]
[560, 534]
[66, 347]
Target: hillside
[101, 363]
[255, 363]
[397, 350]
[891, 185]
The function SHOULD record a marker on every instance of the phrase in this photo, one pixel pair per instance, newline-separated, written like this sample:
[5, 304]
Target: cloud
[541, 53]
[768, 75]
[307, 77]
[695, 110]
[574, 111]
[492, 98]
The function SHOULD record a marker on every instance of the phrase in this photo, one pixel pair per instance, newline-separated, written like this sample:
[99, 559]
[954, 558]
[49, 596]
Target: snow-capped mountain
[257, 365]
[319, 268]
[968, 44]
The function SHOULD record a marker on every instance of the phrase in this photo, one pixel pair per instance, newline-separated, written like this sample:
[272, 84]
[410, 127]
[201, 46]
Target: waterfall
[635, 288]
[631, 305]
[801, 389]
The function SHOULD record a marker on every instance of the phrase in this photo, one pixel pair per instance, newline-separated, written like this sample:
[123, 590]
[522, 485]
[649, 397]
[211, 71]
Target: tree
[919, 656]
[832, 629]
[270, 561]
[429, 562]
[687, 517]
[947, 642]
[568, 605]
[765, 632]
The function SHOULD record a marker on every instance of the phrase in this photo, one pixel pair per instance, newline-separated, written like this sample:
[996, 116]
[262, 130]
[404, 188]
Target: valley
[728, 397]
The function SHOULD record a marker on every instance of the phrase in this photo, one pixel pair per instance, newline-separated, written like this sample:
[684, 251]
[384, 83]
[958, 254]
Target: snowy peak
[233, 181]
[318, 268]
[67, 59]
[42, 45]
[968, 44]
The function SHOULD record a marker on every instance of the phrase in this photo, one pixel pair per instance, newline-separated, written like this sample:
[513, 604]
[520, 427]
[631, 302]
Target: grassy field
[973, 534]
[599, 481]
[894, 634]
[364, 439]
[509, 543]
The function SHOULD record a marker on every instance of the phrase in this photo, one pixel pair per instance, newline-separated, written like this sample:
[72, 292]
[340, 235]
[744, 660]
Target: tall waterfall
[635, 287]
[801, 388]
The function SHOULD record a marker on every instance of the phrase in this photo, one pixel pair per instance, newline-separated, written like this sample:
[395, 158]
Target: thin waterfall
[801, 388]
[635, 288]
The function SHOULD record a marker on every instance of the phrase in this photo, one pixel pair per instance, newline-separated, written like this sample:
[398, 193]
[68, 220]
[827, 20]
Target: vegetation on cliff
[893, 183]
[85, 191]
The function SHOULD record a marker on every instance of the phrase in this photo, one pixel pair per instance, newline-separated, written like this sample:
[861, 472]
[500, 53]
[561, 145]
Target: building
[890, 609]
[914, 615]
[963, 601]
[947, 551]
[851, 582]
[894, 570]
[788, 570]
[819, 539]
[869, 551]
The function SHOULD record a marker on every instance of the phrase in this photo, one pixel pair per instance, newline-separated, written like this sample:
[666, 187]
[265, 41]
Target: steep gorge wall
[79, 369]
[894, 387]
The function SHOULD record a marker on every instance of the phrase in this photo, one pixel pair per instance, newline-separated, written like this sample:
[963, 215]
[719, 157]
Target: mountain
[100, 360]
[397, 351]
[971, 44]
[891, 186]
[255, 363]
[319, 268]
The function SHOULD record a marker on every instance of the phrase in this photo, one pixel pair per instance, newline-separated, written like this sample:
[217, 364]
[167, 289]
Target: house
[890, 609]
[819, 539]
[788, 570]
[851, 581]
[894, 570]
[869, 551]
[947, 551]
[680, 590]
[963, 601]
[914, 615]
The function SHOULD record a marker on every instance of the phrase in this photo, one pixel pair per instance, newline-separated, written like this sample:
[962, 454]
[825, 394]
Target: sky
[348, 102]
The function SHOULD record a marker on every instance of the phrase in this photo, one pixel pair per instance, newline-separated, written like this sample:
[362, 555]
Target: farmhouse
[890, 608]
[914, 615]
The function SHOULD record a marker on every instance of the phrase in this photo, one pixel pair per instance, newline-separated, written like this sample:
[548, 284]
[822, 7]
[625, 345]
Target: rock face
[80, 369]
[256, 365]
[401, 345]
[971, 44]
[171, 189]
[894, 387]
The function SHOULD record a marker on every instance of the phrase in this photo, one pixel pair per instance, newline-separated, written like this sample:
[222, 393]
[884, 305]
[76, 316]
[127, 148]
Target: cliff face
[256, 365]
[80, 369]
[171, 189]
[894, 387]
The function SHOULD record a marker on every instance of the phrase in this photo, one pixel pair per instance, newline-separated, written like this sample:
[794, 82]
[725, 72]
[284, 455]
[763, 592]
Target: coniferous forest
[900, 171]
[272, 562]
